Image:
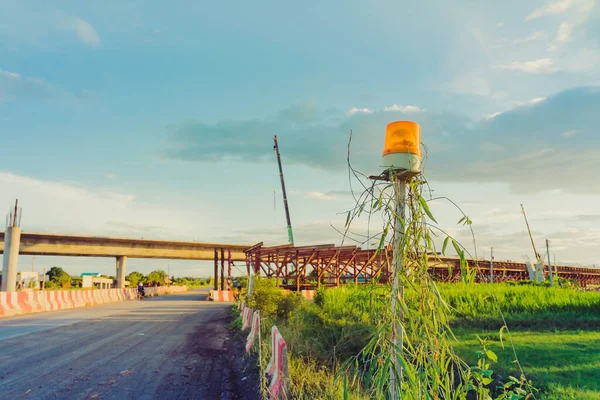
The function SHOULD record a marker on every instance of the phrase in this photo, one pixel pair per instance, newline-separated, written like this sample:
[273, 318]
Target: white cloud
[84, 30]
[54, 206]
[557, 7]
[492, 116]
[499, 24]
[541, 66]
[14, 85]
[565, 31]
[554, 7]
[355, 110]
[570, 133]
[109, 175]
[10, 75]
[404, 109]
[535, 100]
[319, 196]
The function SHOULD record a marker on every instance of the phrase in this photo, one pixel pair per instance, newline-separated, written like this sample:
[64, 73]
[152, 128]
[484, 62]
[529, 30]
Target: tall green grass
[481, 304]
[322, 335]
[529, 306]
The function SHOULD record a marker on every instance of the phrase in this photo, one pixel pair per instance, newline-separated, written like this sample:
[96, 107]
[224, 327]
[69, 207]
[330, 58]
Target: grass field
[562, 364]
[555, 333]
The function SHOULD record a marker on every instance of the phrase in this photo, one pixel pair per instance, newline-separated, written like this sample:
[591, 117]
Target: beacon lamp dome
[402, 146]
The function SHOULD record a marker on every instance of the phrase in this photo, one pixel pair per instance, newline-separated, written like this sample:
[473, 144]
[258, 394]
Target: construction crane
[538, 257]
[285, 202]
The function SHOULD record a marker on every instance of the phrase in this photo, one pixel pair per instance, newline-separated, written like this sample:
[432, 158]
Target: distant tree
[51, 285]
[58, 276]
[135, 278]
[76, 281]
[209, 281]
[180, 281]
[157, 276]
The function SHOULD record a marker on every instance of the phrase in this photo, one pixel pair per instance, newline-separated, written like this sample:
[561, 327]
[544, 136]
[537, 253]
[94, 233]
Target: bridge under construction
[307, 267]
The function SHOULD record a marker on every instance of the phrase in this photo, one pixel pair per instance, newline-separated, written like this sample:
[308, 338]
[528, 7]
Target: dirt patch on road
[211, 365]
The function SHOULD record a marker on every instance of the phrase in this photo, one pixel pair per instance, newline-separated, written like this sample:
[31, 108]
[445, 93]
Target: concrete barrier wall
[221, 296]
[17, 303]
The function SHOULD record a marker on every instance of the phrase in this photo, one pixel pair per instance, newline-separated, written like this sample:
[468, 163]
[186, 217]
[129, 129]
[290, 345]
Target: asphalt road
[170, 347]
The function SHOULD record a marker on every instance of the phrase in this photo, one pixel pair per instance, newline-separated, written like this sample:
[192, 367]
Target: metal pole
[397, 288]
[549, 265]
[285, 202]
[492, 265]
[44, 281]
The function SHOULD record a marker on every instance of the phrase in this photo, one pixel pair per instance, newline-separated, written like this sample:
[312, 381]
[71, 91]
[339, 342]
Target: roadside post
[401, 161]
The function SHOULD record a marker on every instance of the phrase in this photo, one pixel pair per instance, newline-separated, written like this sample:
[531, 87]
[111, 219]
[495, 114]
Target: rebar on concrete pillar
[121, 261]
[12, 241]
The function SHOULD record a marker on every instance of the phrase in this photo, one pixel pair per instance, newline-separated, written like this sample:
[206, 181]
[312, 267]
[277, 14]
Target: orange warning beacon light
[402, 146]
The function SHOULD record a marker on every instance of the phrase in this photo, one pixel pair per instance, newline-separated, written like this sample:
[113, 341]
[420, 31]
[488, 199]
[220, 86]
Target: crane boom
[537, 255]
[285, 202]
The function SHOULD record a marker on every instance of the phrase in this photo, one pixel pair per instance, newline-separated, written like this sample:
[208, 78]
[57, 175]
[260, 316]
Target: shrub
[288, 304]
[319, 298]
[266, 296]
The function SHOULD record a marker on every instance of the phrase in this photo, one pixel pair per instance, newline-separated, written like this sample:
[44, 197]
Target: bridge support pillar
[12, 241]
[121, 261]
[216, 281]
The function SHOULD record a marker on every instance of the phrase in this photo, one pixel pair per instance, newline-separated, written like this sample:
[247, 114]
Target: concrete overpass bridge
[14, 242]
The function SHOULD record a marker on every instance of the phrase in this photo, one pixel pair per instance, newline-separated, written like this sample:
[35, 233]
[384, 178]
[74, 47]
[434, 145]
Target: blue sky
[154, 119]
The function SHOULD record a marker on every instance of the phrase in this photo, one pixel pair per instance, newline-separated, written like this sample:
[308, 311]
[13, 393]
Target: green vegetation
[323, 335]
[58, 277]
[562, 364]
[193, 282]
[134, 278]
[523, 306]
[157, 277]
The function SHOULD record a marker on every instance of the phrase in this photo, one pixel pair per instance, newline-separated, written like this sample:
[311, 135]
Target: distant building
[91, 280]
[29, 279]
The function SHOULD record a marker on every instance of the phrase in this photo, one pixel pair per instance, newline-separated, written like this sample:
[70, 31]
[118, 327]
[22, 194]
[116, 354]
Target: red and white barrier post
[254, 332]
[278, 367]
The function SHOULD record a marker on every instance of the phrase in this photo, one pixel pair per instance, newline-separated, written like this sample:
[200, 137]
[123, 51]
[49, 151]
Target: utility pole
[285, 202]
[492, 265]
[549, 265]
